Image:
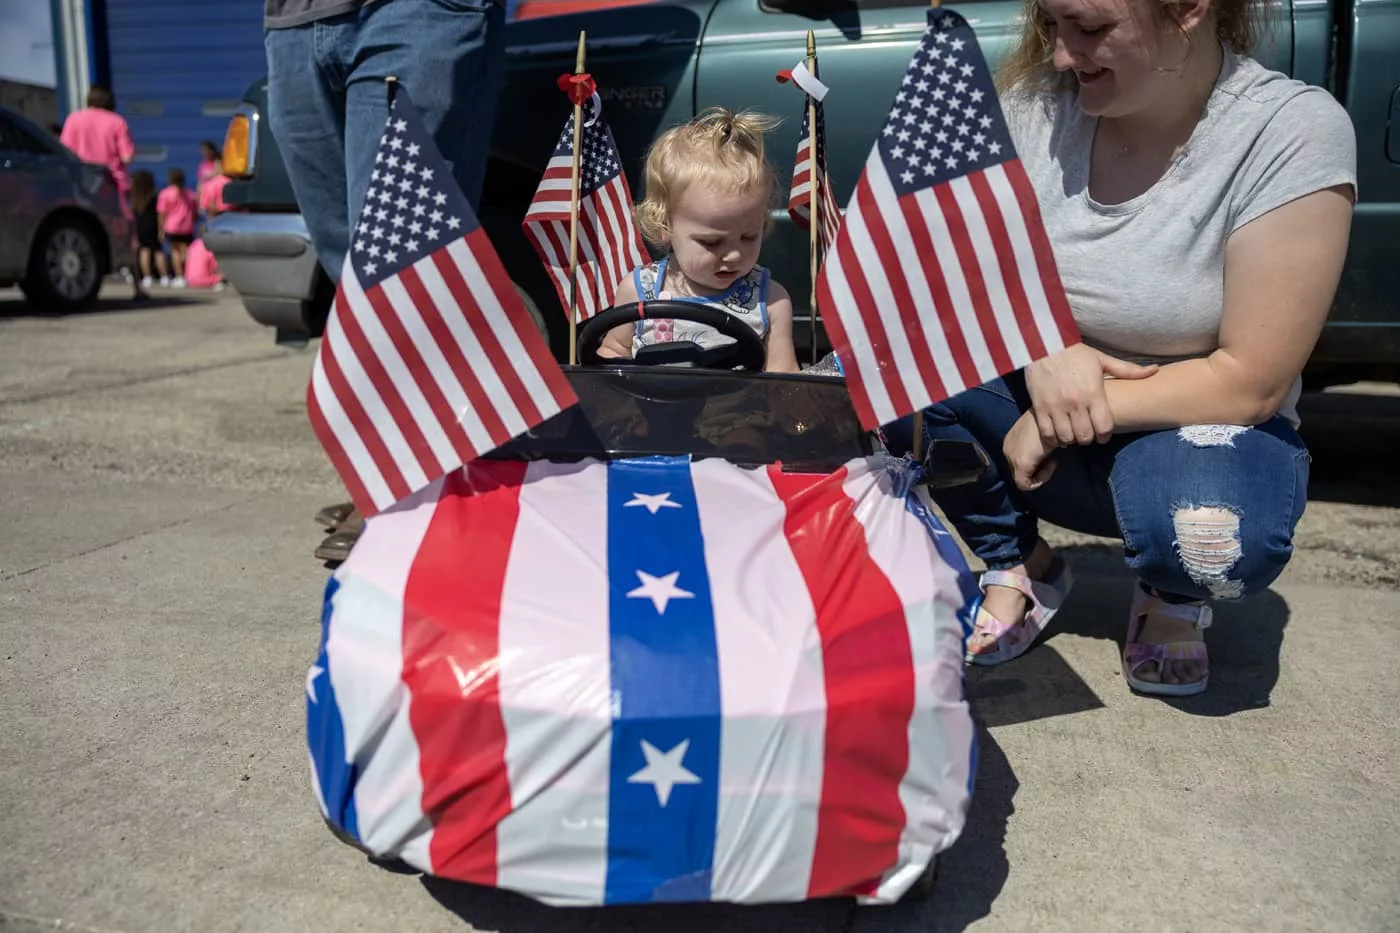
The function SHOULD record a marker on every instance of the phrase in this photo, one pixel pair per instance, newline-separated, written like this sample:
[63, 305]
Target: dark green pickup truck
[659, 63]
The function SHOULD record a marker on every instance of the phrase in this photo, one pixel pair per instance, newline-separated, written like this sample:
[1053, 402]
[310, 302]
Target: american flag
[800, 198]
[942, 276]
[609, 246]
[429, 358]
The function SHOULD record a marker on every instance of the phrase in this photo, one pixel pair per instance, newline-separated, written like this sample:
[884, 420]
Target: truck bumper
[268, 258]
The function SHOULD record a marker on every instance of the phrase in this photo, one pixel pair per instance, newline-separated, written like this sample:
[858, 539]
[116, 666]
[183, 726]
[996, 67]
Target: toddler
[709, 190]
[177, 211]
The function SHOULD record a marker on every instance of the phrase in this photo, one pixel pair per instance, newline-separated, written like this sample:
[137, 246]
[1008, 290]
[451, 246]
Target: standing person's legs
[306, 114]
[449, 56]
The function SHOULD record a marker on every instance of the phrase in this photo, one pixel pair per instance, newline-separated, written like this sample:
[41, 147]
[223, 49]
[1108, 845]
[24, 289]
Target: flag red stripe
[947, 316]
[436, 322]
[561, 392]
[972, 275]
[335, 451]
[890, 267]
[1006, 259]
[1044, 254]
[897, 278]
[869, 676]
[355, 412]
[451, 630]
[501, 366]
[378, 376]
[417, 368]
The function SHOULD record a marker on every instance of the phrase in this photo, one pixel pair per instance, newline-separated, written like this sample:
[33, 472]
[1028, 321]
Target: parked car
[62, 228]
[660, 63]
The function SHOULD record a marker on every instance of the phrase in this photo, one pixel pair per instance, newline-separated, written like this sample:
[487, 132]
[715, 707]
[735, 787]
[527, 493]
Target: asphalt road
[158, 610]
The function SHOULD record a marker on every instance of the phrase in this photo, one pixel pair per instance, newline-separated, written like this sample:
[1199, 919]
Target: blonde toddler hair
[719, 148]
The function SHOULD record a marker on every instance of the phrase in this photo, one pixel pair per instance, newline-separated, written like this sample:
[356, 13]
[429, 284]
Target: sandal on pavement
[1013, 638]
[1136, 654]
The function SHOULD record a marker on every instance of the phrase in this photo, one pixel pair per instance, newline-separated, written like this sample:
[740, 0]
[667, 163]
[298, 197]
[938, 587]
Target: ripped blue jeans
[1204, 512]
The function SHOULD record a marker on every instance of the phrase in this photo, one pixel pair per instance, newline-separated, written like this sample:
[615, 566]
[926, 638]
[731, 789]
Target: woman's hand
[1028, 453]
[1067, 394]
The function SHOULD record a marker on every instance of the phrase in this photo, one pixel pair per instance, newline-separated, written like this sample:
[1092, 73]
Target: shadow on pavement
[971, 876]
[1245, 640]
[18, 307]
[1350, 436]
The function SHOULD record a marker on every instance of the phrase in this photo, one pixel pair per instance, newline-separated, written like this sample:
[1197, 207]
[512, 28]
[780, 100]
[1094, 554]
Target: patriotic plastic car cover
[650, 680]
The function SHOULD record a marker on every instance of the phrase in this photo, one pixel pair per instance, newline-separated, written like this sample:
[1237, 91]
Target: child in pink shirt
[176, 210]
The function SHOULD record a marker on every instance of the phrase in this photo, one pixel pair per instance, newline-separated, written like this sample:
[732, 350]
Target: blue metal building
[177, 68]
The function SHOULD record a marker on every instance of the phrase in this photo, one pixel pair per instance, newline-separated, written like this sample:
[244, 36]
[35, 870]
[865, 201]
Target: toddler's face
[716, 235]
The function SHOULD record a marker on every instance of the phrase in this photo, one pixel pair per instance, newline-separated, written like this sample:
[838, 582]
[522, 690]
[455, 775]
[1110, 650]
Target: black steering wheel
[746, 352]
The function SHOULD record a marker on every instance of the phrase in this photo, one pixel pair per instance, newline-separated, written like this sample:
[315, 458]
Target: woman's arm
[1281, 275]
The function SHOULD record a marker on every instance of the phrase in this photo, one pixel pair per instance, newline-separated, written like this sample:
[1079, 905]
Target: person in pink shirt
[176, 210]
[96, 133]
[209, 168]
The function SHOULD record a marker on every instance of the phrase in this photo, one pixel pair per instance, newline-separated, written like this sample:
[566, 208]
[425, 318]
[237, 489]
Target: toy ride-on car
[696, 638]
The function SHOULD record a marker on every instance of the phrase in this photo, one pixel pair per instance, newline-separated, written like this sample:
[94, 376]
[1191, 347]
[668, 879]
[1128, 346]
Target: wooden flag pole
[814, 210]
[919, 415]
[573, 212]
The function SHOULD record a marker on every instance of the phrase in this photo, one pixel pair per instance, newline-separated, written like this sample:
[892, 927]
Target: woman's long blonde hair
[1239, 24]
[719, 148]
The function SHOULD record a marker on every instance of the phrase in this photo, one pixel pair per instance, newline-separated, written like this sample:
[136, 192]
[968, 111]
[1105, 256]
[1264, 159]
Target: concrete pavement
[158, 610]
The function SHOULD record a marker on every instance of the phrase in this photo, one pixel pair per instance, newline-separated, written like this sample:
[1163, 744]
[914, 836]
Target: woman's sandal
[1013, 638]
[1136, 654]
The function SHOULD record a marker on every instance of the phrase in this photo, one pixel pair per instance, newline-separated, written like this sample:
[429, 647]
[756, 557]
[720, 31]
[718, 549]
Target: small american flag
[942, 276]
[800, 198]
[609, 246]
[429, 358]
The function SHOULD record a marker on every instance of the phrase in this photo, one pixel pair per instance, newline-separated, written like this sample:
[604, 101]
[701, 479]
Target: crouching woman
[1199, 205]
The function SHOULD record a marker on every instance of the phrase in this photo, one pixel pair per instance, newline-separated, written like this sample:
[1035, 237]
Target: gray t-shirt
[1145, 278]
[283, 14]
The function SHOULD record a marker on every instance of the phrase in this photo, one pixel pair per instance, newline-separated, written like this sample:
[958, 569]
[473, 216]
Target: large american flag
[942, 276]
[609, 246]
[800, 197]
[429, 358]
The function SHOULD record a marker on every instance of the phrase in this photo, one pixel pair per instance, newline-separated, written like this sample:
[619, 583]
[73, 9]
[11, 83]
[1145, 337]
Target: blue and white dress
[746, 299]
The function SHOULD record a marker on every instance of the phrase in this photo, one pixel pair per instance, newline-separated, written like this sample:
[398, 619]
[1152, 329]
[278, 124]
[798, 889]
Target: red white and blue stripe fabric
[650, 680]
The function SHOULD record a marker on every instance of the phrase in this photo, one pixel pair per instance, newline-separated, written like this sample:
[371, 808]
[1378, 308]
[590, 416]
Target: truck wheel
[65, 266]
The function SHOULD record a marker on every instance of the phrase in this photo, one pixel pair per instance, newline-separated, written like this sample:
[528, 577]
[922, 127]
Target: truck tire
[66, 265]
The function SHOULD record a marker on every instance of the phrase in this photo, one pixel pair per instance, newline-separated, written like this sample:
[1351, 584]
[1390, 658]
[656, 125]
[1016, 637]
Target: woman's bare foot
[1007, 604]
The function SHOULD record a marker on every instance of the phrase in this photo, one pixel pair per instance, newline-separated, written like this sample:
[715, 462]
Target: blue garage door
[178, 68]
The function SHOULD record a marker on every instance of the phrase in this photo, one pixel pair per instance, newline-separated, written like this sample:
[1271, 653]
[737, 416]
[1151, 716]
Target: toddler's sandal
[1137, 654]
[1013, 638]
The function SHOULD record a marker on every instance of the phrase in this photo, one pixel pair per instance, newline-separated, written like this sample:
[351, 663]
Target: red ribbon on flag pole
[580, 87]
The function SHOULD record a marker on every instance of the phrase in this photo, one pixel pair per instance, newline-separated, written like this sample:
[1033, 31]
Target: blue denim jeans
[327, 100]
[1204, 512]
